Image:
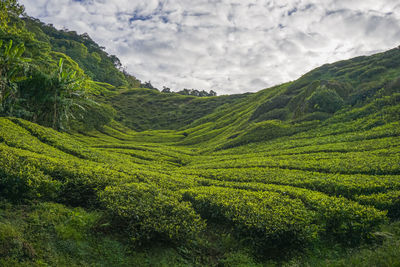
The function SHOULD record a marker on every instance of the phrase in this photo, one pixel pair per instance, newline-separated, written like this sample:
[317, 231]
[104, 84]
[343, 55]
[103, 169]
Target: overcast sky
[229, 46]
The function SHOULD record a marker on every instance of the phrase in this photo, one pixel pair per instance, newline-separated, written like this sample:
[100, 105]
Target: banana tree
[12, 70]
[68, 91]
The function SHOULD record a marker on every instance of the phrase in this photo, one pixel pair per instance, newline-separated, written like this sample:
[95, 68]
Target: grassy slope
[357, 81]
[75, 236]
[144, 109]
[338, 177]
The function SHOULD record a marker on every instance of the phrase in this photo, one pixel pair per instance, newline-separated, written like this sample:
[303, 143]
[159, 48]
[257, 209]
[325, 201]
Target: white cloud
[229, 46]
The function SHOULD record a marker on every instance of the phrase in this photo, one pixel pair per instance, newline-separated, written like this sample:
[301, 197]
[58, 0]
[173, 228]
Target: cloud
[229, 46]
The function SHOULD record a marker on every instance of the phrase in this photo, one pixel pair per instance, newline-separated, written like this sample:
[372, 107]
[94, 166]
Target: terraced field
[335, 180]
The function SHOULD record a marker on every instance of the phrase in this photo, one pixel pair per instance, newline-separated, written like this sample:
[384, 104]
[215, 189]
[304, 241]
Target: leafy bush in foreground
[21, 180]
[268, 219]
[151, 213]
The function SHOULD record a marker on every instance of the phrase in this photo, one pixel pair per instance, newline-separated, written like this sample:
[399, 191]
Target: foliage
[276, 114]
[12, 66]
[65, 87]
[92, 115]
[320, 116]
[195, 92]
[152, 214]
[277, 102]
[133, 82]
[143, 109]
[9, 9]
[324, 100]
[52, 99]
[52, 234]
[389, 201]
[42, 91]
[261, 217]
[21, 180]
[97, 64]
[261, 131]
[148, 85]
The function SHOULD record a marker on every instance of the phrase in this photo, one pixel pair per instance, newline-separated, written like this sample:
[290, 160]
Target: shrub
[392, 87]
[12, 244]
[66, 223]
[277, 102]
[152, 214]
[275, 114]
[92, 116]
[271, 220]
[342, 88]
[363, 92]
[320, 116]
[371, 72]
[19, 179]
[324, 100]
[389, 201]
[262, 131]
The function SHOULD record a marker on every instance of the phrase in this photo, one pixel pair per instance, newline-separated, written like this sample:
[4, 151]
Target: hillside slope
[144, 109]
[317, 95]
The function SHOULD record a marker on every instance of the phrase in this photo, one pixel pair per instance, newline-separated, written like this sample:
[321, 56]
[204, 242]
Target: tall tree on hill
[148, 85]
[166, 89]
[212, 93]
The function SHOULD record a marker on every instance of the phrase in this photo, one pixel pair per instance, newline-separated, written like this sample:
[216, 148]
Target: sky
[229, 46]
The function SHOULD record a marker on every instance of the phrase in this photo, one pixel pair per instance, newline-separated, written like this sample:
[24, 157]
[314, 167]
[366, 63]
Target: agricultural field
[337, 181]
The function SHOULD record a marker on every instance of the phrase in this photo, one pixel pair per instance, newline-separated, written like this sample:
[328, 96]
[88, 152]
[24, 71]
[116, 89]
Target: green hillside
[144, 109]
[97, 172]
[92, 58]
[317, 95]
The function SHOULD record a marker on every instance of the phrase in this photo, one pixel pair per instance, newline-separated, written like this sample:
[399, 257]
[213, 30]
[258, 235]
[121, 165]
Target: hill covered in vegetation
[97, 171]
